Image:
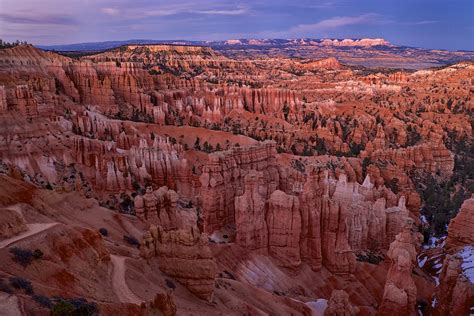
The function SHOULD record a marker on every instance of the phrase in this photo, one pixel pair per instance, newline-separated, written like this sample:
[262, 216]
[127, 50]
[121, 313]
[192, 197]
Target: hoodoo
[239, 177]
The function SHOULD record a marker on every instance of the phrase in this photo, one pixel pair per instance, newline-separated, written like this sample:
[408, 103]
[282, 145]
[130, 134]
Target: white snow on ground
[421, 262]
[467, 254]
[318, 307]
[423, 219]
[435, 242]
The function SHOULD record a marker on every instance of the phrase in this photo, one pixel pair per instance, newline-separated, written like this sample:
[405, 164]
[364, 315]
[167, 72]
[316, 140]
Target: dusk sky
[447, 24]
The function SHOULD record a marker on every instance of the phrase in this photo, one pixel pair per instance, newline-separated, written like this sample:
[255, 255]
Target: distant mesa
[363, 42]
[98, 46]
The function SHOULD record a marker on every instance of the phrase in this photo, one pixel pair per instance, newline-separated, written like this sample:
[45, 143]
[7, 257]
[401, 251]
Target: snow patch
[435, 242]
[467, 254]
[318, 307]
[421, 262]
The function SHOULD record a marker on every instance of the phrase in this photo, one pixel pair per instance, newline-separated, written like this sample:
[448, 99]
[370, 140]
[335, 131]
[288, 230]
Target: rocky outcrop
[21, 99]
[400, 291]
[326, 221]
[461, 228]
[158, 207]
[311, 209]
[339, 304]
[183, 255]
[284, 228]
[432, 157]
[223, 179]
[455, 294]
[327, 63]
[77, 245]
[250, 209]
[314, 188]
[11, 223]
[164, 302]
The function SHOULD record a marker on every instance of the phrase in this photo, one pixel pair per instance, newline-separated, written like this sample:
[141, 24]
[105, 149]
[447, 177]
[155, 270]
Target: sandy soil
[33, 229]
[9, 305]
[119, 284]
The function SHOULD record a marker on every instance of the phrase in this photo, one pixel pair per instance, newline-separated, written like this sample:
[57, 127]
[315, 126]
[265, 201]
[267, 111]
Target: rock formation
[158, 207]
[461, 228]
[11, 223]
[164, 302]
[183, 255]
[400, 290]
[223, 177]
[455, 294]
[305, 167]
[250, 209]
[284, 228]
[339, 304]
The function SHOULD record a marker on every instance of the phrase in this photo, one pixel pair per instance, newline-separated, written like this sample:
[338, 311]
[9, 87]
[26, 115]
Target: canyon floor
[182, 180]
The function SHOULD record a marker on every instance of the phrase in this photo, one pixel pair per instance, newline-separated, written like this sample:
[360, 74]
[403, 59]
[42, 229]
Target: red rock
[339, 304]
[183, 255]
[400, 290]
[284, 228]
[251, 227]
[11, 223]
[461, 228]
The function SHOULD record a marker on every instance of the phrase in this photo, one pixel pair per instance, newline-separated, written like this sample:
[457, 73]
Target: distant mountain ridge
[97, 46]
[367, 52]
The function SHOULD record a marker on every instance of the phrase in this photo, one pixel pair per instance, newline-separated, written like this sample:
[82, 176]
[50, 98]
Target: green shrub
[22, 256]
[43, 301]
[20, 283]
[104, 232]
[63, 308]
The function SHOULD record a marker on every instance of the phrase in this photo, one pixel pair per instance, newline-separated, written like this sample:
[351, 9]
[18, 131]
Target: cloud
[325, 5]
[173, 9]
[324, 27]
[337, 22]
[110, 11]
[422, 22]
[223, 12]
[26, 18]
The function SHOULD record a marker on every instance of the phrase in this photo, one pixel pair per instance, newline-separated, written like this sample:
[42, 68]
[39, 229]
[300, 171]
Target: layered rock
[158, 207]
[250, 209]
[284, 228]
[164, 302]
[223, 178]
[183, 255]
[461, 228]
[432, 157]
[339, 304]
[77, 244]
[455, 294]
[400, 291]
[326, 221]
[311, 208]
[11, 223]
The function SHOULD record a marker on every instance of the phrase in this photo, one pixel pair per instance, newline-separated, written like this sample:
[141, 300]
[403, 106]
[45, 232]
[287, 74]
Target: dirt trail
[119, 284]
[33, 229]
[9, 305]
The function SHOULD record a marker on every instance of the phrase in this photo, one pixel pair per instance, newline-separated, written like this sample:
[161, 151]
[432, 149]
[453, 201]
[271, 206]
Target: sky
[438, 24]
